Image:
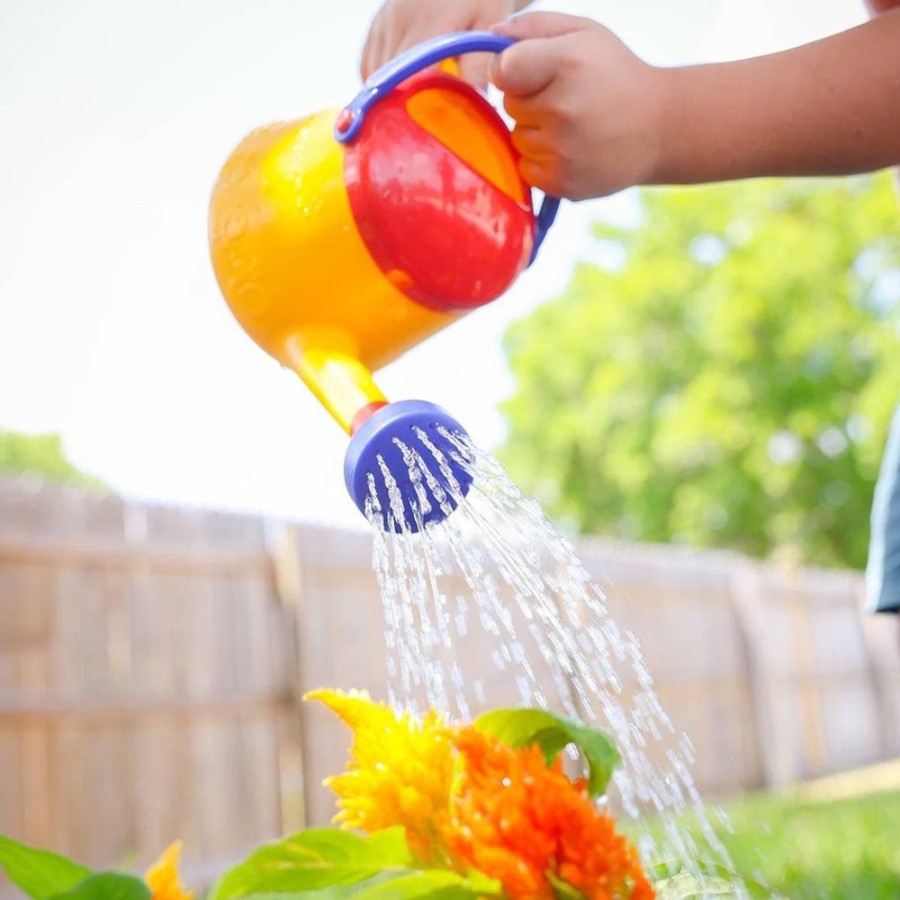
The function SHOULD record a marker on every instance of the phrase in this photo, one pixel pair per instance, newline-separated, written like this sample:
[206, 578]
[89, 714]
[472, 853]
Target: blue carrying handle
[414, 60]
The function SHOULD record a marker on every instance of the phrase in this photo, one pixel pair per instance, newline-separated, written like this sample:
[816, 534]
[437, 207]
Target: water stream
[492, 607]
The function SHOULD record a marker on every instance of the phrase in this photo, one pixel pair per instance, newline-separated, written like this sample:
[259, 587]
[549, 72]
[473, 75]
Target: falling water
[496, 576]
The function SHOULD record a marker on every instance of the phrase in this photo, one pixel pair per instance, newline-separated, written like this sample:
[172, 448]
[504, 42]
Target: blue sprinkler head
[406, 421]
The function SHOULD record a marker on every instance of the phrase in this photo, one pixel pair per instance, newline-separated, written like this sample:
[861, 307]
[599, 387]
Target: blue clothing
[883, 572]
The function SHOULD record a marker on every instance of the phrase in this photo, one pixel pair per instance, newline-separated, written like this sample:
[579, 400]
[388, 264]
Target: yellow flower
[400, 771]
[162, 877]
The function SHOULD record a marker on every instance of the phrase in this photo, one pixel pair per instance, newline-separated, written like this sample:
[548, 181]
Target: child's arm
[592, 118]
[828, 108]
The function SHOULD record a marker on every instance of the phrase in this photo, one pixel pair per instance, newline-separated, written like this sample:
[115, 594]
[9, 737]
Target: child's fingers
[538, 175]
[388, 39]
[475, 68]
[537, 161]
[528, 142]
[528, 67]
[542, 25]
[384, 43]
[372, 50]
[522, 110]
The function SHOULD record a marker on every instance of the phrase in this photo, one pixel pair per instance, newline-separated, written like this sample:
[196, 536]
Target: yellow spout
[342, 384]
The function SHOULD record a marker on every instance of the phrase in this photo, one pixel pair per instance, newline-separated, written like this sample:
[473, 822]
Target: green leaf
[434, 884]
[562, 889]
[107, 886]
[523, 727]
[39, 873]
[313, 859]
[331, 893]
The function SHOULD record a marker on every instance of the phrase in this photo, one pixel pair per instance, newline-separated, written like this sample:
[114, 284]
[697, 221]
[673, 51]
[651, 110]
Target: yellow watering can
[342, 239]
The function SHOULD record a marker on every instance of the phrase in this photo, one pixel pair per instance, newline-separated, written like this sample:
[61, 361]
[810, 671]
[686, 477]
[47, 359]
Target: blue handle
[414, 60]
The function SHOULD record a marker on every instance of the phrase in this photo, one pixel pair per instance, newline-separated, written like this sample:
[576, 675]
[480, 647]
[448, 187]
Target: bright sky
[115, 120]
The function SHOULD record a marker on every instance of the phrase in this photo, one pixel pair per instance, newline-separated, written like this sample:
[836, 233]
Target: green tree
[728, 379]
[41, 455]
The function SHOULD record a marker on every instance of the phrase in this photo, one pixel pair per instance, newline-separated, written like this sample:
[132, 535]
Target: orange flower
[162, 877]
[400, 771]
[526, 824]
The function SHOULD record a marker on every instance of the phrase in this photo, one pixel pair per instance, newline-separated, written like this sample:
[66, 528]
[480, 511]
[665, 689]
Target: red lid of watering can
[433, 184]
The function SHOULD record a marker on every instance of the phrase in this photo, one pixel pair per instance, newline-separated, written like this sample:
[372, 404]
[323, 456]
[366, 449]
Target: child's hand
[588, 112]
[400, 24]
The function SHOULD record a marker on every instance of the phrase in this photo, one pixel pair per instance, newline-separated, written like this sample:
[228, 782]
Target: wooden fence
[151, 661]
[145, 680]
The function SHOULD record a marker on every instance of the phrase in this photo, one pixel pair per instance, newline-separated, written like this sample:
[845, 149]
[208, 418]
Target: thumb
[528, 67]
[541, 25]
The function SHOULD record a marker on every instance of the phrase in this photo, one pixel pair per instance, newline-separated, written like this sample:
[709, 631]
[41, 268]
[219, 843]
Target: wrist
[716, 122]
[666, 123]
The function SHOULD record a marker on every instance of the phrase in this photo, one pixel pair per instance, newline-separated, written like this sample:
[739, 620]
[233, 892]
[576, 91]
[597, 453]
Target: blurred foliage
[42, 456]
[726, 377]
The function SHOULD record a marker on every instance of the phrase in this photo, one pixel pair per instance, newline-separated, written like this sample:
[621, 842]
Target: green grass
[806, 848]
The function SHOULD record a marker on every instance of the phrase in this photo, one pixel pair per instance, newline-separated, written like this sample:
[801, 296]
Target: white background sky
[114, 120]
